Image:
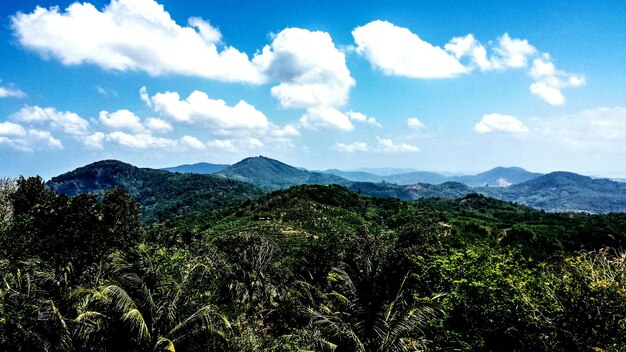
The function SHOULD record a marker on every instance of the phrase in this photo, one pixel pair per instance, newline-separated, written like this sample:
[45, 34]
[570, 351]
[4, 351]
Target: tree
[132, 311]
[363, 311]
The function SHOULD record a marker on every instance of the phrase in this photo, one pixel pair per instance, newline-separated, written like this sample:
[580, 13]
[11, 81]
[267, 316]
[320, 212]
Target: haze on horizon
[431, 85]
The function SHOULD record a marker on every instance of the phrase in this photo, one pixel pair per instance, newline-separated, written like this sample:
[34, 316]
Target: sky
[429, 85]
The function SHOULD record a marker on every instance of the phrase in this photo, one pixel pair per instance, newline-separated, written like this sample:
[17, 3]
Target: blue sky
[429, 85]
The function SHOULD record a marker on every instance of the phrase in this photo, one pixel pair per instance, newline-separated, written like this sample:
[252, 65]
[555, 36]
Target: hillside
[160, 193]
[198, 168]
[566, 191]
[272, 174]
[411, 192]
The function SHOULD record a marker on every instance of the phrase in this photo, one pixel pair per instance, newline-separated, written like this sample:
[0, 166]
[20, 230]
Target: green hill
[272, 174]
[160, 193]
[566, 191]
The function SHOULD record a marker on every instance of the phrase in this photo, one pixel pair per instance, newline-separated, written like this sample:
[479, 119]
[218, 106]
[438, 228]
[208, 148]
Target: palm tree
[131, 312]
[32, 302]
[359, 313]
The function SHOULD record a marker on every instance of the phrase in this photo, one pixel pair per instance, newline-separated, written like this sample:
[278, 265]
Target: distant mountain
[272, 174]
[498, 177]
[199, 168]
[160, 193]
[566, 191]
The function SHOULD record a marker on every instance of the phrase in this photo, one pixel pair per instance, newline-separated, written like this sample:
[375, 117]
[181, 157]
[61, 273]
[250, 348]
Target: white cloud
[94, 141]
[158, 125]
[549, 81]
[140, 140]
[360, 117]
[192, 143]
[132, 35]
[352, 147]
[46, 138]
[327, 118]
[68, 122]
[6, 92]
[11, 129]
[387, 145]
[236, 145]
[122, 120]
[215, 113]
[312, 72]
[287, 131]
[500, 123]
[224, 144]
[602, 129]
[397, 51]
[508, 53]
[31, 140]
[415, 124]
[143, 94]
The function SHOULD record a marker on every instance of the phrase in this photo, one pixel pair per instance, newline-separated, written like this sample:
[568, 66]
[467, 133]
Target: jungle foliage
[310, 268]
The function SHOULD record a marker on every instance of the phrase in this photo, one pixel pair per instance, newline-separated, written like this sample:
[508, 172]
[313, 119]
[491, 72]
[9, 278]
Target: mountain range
[163, 193]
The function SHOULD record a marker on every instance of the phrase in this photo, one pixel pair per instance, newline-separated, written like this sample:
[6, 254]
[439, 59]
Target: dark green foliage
[160, 193]
[60, 229]
[309, 268]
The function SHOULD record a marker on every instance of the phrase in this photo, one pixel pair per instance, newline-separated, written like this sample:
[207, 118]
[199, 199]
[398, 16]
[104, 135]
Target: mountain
[498, 177]
[199, 168]
[566, 191]
[160, 193]
[272, 174]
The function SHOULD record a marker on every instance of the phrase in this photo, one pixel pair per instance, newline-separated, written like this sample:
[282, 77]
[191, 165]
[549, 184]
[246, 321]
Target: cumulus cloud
[352, 147]
[132, 35]
[508, 53]
[199, 108]
[326, 118]
[397, 51]
[312, 72]
[360, 117]
[549, 81]
[236, 145]
[7, 92]
[158, 125]
[94, 141]
[140, 140]
[491, 123]
[192, 143]
[415, 124]
[387, 145]
[68, 122]
[28, 141]
[122, 120]
[11, 129]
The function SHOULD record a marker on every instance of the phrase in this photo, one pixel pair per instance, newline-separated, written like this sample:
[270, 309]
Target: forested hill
[566, 191]
[160, 193]
[272, 174]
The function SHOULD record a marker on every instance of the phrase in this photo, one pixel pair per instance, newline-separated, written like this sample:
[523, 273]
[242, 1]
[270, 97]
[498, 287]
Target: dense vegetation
[310, 268]
[160, 193]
